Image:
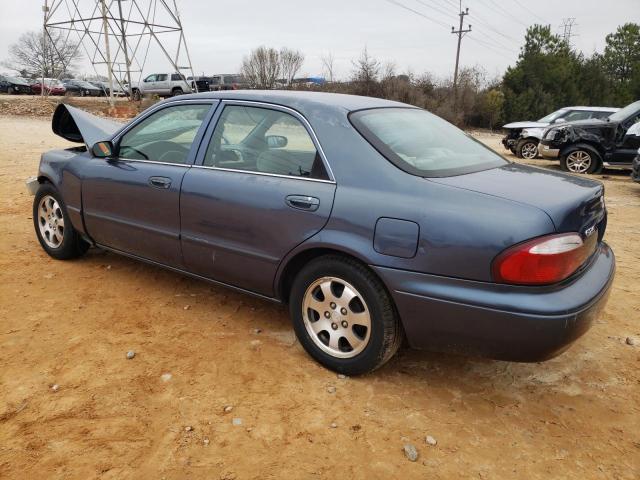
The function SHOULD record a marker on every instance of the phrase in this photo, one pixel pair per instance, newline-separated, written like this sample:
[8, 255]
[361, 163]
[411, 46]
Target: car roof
[298, 100]
[594, 109]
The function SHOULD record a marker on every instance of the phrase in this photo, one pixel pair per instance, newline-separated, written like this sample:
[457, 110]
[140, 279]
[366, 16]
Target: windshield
[16, 80]
[423, 144]
[553, 116]
[626, 112]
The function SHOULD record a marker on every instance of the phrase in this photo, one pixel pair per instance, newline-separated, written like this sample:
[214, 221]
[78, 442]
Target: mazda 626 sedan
[375, 221]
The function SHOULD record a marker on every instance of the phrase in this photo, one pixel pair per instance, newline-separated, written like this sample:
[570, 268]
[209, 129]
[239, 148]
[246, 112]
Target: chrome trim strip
[300, 117]
[265, 174]
[124, 159]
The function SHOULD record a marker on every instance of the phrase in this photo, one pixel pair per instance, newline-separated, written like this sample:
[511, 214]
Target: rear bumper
[500, 321]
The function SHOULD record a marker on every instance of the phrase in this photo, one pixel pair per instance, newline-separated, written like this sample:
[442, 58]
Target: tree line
[548, 75]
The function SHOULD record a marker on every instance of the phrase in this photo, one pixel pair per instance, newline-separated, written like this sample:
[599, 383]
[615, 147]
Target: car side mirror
[559, 120]
[103, 149]
[276, 141]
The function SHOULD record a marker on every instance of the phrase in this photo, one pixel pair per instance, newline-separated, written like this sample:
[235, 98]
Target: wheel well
[42, 179]
[176, 88]
[294, 265]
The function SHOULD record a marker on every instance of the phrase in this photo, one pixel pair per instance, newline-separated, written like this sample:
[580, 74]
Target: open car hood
[79, 126]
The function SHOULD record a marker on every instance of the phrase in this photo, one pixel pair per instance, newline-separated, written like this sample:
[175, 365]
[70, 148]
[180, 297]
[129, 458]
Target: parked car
[161, 84]
[201, 83]
[522, 138]
[635, 173]
[81, 88]
[13, 85]
[228, 81]
[52, 86]
[105, 90]
[373, 220]
[588, 145]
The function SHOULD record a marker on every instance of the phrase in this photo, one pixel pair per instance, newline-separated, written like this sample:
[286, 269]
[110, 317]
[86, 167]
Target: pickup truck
[161, 84]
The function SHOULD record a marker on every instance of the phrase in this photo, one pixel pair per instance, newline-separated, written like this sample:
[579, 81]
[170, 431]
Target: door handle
[160, 182]
[303, 202]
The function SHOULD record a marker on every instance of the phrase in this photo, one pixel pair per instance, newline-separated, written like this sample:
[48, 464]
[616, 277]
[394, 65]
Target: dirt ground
[199, 350]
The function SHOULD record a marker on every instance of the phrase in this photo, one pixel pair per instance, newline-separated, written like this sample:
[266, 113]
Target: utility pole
[105, 26]
[45, 10]
[460, 32]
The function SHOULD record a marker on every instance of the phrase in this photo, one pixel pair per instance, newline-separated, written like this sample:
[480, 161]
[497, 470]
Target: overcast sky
[220, 33]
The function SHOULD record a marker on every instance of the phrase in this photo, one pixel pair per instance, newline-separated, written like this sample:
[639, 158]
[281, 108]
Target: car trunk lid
[574, 204]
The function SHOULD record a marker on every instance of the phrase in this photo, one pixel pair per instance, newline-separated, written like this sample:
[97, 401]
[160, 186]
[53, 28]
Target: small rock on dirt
[55, 387]
[166, 377]
[430, 440]
[205, 441]
[257, 330]
[131, 354]
[334, 425]
[631, 341]
[342, 376]
[331, 389]
[410, 452]
[188, 428]
[228, 408]
[237, 422]
[187, 307]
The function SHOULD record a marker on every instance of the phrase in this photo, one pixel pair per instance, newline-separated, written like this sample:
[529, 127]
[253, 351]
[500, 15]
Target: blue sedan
[374, 221]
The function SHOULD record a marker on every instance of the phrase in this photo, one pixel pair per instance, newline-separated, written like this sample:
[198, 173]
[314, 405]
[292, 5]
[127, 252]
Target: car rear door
[131, 202]
[628, 142]
[260, 187]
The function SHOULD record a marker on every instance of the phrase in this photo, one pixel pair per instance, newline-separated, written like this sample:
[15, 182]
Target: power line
[418, 13]
[500, 10]
[524, 7]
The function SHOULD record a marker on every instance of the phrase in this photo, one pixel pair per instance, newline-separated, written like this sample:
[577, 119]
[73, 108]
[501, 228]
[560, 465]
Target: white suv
[162, 84]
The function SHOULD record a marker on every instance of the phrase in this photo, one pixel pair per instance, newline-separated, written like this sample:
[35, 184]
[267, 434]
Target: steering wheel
[166, 156]
[144, 155]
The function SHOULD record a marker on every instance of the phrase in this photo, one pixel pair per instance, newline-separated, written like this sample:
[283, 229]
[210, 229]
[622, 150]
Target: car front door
[260, 187]
[629, 143]
[162, 84]
[149, 84]
[131, 202]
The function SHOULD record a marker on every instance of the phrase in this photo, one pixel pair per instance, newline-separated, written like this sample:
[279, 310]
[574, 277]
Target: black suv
[588, 145]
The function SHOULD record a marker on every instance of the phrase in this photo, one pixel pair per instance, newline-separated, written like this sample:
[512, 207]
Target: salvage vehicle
[589, 145]
[161, 84]
[522, 138]
[373, 220]
[13, 85]
[81, 88]
[228, 81]
[52, 86]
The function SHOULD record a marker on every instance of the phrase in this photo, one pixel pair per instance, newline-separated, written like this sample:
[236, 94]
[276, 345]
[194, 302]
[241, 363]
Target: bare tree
[328, 66]
[262, 67]
[34, 55]
[290, 63]
[366, 70]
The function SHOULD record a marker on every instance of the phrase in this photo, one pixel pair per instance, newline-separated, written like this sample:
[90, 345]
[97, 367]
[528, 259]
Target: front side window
[423, 144]
[165, 136]
[261, 140]
[150, 78]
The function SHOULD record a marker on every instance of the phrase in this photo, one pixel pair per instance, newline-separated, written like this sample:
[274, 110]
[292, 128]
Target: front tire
[581, 159]
[343, 316]
[527, 149]
[53, 227]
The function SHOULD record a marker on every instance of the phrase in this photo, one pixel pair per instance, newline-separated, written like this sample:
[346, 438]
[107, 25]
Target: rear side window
[263, 140]
[175, 77]
[161, 77]
[423, 144]
[575, 115]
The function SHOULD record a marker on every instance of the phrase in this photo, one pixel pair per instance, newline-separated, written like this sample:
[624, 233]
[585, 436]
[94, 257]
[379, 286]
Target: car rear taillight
[543, 260]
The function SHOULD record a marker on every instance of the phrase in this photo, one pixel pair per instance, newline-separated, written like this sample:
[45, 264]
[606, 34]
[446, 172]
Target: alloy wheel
[50, 221]
[529, 151]
[336, 317]
[579, 161]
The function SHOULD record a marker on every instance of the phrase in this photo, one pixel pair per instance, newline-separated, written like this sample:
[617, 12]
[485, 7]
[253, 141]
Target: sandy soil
[162, 414]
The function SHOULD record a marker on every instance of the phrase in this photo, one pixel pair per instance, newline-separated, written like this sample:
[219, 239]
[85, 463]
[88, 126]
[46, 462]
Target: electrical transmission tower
[117, 35]
[566, 28]
[460, 32]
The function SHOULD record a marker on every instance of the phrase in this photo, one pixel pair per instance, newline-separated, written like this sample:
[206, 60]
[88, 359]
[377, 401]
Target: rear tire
[581, 159]
[343, 315]
[527, 149]
[53, 226]
[176, 91]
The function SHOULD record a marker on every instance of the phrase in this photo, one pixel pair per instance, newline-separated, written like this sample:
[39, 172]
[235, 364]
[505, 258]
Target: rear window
[423, 144]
